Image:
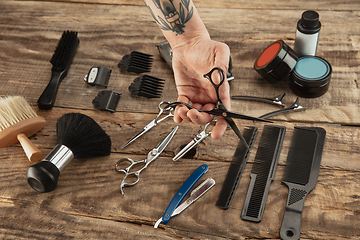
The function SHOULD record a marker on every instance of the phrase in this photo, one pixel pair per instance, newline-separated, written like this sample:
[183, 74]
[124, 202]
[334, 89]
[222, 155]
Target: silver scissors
[152, 155]
[153, 123]
[198, 138]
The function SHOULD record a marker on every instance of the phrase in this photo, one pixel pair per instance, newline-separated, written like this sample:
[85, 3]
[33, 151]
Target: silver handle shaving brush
[79, 136]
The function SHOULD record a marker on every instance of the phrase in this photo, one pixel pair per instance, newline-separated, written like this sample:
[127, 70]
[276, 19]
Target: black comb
[236, 168]
[61, 61]
[263, 172]
[300, 176]
[106, 100]
[136, 62]
[147, 86]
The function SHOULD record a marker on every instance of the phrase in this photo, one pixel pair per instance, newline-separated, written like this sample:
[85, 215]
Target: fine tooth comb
[263, 172]
[61, 61]
[300, 176]
[236, 168]
[147, 86]
[136, 62]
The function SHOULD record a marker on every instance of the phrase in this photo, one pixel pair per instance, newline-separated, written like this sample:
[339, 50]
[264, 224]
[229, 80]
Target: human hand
[190, 62]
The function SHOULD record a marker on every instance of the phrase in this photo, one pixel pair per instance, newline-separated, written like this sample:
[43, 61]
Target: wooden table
[87, 203]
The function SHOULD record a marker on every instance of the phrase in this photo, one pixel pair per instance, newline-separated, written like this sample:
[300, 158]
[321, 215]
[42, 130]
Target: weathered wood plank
[107, 34]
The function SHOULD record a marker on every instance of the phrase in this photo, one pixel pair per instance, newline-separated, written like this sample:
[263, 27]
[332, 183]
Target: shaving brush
[78, 136]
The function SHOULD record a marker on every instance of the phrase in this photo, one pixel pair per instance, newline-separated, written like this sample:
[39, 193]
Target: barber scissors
[152, 155]
[220, 109]
[154, 122]
[198, 138]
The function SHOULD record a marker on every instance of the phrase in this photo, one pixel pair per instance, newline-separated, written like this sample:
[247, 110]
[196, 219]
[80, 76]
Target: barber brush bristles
[78, 136]
[61, 61]
[18, 121]
[82, 135]
[136, 62]
[147, 86]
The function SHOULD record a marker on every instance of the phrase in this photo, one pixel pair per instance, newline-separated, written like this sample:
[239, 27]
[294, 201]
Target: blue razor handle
[183, 191]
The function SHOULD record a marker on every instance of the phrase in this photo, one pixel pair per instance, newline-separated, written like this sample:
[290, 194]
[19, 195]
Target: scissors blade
[246, 117]
[162, 145]
[139, 134]
[187, 148]
[237, 131]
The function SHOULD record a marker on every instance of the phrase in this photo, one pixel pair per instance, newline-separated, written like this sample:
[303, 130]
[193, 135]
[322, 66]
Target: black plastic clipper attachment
[236, 168]
[263, 172]
[136, 62]
[98, 76]
[106, 101]
[147, 86]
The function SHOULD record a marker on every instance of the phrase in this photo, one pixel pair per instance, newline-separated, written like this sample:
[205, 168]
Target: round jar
[310, 77]
[276, 62]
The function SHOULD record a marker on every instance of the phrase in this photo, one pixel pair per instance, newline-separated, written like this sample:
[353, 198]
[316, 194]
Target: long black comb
[147, 86]
[136, 62]
[300, 176]
[236, 168]
[61, 61]
[263, 172]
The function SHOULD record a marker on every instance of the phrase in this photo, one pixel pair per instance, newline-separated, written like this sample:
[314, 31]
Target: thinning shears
[154, 122]
[220, 109]
[134, 176]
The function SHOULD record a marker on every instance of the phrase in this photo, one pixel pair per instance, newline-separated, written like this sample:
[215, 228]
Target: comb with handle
[300, 176]
[263, 172]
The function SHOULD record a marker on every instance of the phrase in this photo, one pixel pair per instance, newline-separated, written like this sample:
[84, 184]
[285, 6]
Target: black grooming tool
[78, 136]
[295, 107]
[147, 86]
[61, 61]
[98, 76]
[274, 100]
[136, 62]
[106, 100]
[236, 168]
[263, 172]
[300, 176]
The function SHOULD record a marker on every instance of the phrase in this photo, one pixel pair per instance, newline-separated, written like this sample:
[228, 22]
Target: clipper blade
[136, 62]
[147, 86]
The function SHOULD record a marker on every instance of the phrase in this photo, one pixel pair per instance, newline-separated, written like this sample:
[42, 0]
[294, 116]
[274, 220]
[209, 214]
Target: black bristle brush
[61, 61]
[78, 136]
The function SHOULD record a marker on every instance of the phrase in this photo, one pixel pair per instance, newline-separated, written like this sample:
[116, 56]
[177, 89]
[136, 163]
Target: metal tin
[310, 77]
[276, 61]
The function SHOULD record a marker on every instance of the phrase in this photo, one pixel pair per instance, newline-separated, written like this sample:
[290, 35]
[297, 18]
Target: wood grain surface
[87, 203]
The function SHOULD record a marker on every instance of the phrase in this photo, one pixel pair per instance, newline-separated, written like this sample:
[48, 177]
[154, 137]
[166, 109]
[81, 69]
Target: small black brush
[300, 176]
[147, 86]
[78, 136]
[136, 62]
[61, 61]
[263, 172]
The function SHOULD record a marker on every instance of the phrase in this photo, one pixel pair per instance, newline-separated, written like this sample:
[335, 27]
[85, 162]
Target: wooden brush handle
[32, 152]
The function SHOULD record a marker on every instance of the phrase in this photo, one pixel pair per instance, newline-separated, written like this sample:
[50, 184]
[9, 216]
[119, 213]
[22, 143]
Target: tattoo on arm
[173, 17]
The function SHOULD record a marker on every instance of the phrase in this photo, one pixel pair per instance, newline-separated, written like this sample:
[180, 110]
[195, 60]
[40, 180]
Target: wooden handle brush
[78, 136]
[18, 121]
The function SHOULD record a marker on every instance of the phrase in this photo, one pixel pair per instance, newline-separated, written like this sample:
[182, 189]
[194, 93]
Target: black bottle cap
[43, 176]
[309, 22]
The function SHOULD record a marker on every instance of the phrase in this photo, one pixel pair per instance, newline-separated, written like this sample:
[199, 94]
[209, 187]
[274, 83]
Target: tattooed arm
[194, 54]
